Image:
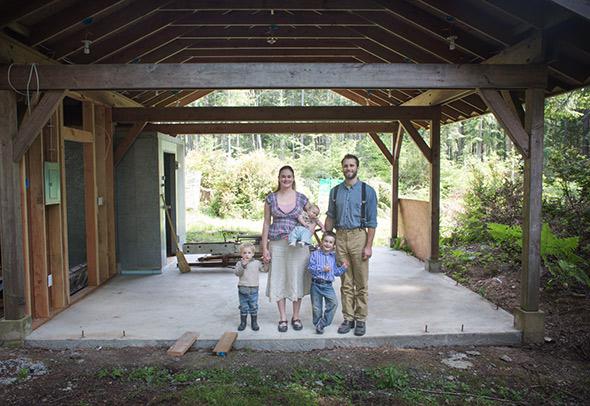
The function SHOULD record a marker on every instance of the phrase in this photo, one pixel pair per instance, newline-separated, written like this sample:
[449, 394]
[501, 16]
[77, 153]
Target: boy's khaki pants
[355, 281]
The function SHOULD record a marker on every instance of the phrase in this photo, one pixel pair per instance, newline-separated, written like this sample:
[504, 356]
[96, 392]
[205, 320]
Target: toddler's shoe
[292, 243]
[319, 328]
[301, 243]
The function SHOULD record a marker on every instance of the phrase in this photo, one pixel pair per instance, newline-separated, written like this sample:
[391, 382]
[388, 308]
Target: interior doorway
[169, 185]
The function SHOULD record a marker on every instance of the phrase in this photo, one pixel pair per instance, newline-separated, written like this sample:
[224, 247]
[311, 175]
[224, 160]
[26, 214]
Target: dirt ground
[555, 372]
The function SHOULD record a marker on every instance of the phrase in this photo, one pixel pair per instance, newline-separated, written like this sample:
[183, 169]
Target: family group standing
[289, 222]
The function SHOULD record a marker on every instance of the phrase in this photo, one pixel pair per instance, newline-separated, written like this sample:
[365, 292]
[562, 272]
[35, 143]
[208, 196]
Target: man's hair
[246, 245]
[329, 234]
[350, 156]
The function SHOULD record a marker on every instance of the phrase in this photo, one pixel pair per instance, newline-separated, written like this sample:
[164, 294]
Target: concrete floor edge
[303, 344]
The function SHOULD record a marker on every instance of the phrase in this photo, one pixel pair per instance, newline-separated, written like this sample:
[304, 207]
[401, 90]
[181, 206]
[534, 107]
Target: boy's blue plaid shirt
[317, 262]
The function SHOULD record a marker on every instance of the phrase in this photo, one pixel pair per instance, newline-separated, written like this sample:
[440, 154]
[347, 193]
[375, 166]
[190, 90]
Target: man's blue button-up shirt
[346, 211]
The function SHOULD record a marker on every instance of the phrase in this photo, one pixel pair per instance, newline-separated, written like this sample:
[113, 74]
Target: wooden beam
[278, 75]
[417, 138]
[11, 226]
[126, 143]
[69, 17]
[525, 52]
[77, 135]
[37, 230]
[533, 187]
[55, 257]
[272, 128]
[34, 122]
[288, 114]
[507, 118]
[90, 193]
[381, 145]
[396, 146]
[580, 7]
[433, 263]
[12, 51]
[110, 199]
[101, 192]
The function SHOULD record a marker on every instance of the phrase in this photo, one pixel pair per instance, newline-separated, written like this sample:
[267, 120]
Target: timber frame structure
[411, 65]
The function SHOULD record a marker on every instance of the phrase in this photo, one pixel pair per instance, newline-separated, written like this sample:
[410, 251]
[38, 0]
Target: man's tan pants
[355, 281]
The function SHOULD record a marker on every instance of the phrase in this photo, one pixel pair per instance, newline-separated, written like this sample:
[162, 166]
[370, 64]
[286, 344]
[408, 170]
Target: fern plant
[558, 254]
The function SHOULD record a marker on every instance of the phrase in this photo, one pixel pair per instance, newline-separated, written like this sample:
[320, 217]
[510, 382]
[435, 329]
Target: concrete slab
[154, 310]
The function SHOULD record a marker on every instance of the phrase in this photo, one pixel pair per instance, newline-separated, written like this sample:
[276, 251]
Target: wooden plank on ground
[225, 343]
[183, 344]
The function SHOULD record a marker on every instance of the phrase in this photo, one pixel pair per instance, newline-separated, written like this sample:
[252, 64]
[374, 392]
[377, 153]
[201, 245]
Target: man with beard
[352, 210]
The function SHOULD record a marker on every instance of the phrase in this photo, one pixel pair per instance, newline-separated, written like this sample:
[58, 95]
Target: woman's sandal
[283, 326]
[297, 325]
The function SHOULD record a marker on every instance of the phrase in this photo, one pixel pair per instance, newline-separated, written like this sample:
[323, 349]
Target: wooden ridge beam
[272, 128]
[33, 124]
[257, 5]
[287, 114]
[278, 76]
[507, 118]
[126, 143]
[417, 138]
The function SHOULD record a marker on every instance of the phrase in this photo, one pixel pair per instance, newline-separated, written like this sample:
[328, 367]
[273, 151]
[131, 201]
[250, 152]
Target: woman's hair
[281, 170]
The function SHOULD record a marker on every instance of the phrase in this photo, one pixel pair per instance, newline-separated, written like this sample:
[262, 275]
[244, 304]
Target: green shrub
[558, 254]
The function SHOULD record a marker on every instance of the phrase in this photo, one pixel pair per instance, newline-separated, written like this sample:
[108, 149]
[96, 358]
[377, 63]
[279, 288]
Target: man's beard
[349, 175]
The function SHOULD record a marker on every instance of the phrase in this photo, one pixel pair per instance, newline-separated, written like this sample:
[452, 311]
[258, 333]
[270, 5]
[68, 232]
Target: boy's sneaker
[319, 328]
[346, 326]
[360, 329]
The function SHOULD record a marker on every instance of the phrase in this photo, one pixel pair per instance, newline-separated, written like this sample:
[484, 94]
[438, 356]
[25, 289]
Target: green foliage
[236, 186]
[150, 375]
[558, 253]
[390, 377]
[494, 195]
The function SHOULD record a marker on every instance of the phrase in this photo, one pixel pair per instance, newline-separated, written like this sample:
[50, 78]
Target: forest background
[481, 182]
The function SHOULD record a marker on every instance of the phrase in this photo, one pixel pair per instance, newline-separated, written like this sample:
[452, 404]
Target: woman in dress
[287, 278]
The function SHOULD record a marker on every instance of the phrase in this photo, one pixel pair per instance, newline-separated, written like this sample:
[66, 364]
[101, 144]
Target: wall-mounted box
[52, 183]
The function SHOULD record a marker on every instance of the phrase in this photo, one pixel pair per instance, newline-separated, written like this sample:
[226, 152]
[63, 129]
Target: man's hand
[345, 264]
[367, 252]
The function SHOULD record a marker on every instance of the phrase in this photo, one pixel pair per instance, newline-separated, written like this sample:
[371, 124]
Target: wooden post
[11, 231]
[433, 263]
[396, 144]
[528, 318]
[37, 231]
[110, 180]
[90, 206]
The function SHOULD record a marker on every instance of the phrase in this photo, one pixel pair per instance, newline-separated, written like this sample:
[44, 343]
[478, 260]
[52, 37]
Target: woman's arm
[264, 236]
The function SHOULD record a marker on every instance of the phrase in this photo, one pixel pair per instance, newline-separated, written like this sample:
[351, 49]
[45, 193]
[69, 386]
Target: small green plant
[114, 373]
[150, 375]
[23, 374]
[391, 377]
